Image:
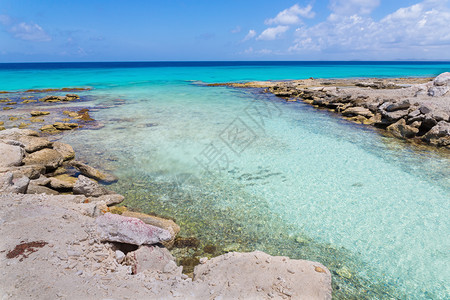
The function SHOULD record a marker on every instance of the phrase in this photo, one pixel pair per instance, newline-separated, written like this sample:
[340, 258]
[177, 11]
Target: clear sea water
[243, 170]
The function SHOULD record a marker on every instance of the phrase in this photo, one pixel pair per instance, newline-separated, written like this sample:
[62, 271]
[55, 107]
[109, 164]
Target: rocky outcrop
[412, 115]
[117, 228]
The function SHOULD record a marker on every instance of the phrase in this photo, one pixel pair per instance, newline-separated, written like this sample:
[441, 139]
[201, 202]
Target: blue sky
[171, 30]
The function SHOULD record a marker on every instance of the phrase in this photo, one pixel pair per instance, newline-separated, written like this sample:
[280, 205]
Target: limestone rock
[152, 258]
[36, 113]
[33, 143]
[88, 187]
[37, 189]
[93, 172]
[438, 91]
[442, 79]
[357, 111]
[394, 115]
[50, 158]
[291, 279]
[439, 135]
[8, 185]
[65, 126]
[59, 184]
[65, 150]
[42, 181]
[32, 171]
[405, 104]
[401, 130]
[10, 155]
[18, 132]
[166, 224]
[117, 228]
[110, 199]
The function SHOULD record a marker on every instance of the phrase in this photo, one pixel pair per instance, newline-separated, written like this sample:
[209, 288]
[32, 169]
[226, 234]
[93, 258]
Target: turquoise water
[243, 170]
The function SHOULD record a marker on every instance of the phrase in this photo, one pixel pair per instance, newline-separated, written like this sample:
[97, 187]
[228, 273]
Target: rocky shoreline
[413, 109]
[64, 237]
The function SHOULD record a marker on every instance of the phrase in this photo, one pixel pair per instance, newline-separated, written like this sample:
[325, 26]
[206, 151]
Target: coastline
[414, 109]
[86, 247]
[91, 120]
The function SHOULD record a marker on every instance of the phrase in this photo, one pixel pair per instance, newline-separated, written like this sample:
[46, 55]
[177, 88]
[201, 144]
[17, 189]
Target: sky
[204, 30]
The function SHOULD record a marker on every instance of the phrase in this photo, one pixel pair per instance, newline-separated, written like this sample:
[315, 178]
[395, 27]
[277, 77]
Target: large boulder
[33, 143]
[10, 155]
[439, 135]
[441, 85]
[274, 277]
[166, 224]
[65, 150]
[49, 158]
[117, 228]
[401, 130]
[88, 187]
[93, 172]
[442, 79]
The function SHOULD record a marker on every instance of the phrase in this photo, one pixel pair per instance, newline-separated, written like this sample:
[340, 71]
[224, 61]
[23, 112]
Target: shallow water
[243, 170]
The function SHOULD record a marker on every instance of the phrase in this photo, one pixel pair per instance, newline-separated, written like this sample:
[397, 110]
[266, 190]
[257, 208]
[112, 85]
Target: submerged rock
[117, 228]
[93, 172]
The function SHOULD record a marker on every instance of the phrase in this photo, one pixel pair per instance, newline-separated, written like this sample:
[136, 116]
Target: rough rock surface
[276, 277]
[49, 158]
[72, 263]
[88, 187]
[93, 172]
[8, 185]
[166, 224]
[65, 150]
[10, 155]
[117, 228]
[33, 143]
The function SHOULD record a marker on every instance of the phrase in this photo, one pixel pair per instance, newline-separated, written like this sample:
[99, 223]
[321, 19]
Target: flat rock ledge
[70, 246]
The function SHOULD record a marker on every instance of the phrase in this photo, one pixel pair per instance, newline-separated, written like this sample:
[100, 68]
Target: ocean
[243, 170]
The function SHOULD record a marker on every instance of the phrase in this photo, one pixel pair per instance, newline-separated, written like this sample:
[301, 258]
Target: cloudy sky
[117, 30]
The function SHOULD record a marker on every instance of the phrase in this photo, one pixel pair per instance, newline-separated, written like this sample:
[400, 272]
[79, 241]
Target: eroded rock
[49, 158]
[11, 155]
[117, 228]
[88, 187]
[93, 172]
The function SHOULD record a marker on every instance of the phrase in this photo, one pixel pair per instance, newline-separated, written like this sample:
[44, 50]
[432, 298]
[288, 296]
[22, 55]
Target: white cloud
[24, 31]
[251, 34]
[272, 33]
[29, 32]
[292, 15]
[351, 7]
[420, 28]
